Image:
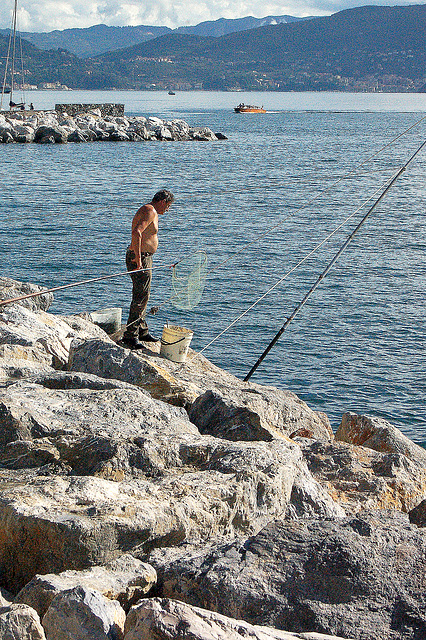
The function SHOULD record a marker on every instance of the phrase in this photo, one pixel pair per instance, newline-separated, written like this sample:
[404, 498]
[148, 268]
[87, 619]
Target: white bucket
[175, 343]
[108, 319]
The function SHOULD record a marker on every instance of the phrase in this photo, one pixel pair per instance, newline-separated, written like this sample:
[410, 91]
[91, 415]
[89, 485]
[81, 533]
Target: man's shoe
[147, 337]
[131, 343]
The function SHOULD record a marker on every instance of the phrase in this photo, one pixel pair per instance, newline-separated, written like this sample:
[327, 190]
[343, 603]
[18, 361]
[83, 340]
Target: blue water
[358, 344]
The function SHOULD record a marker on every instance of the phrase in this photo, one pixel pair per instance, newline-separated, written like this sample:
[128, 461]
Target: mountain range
[363, 49]
[100, 38]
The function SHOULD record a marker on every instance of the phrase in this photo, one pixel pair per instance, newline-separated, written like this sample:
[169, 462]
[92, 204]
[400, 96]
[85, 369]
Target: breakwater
[60, 127]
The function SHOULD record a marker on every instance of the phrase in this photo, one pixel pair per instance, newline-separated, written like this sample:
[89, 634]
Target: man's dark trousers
[136, 323]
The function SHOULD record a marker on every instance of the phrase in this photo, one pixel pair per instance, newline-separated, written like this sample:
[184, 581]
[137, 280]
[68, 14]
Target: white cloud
[46, 15]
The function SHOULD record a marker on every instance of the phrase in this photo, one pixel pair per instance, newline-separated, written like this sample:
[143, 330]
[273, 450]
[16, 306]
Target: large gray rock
[38, 331]
[255, 412]
[176, 383]
[221, 404]
[83, 614]
[55, 132]
[18, 361]
[126, 580]
[20, 622]
[165, 619]
[380, 435]
[360, 577]
[94, 425]
[359, 478]
[158, 481]
[14, 289]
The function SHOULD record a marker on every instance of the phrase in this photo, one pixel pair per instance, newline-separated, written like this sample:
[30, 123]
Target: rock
[379, 435]
[164, 379]
[126, 580]
[361, 577]
[359, 478]
[17, 361]
[6, 136]
[255, 412]
[40, 331]
[54, 131]
[418, 514]
[19, 622]
[5, 598]
[204, 135]
[77, 136]
[229, 408]
[154, 480]
[81, 613]
[165, 619]
[310, 500]
[13, 289]
[91, 421]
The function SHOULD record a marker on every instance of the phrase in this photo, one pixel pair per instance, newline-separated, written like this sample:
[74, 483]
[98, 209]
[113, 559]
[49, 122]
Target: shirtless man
[139, 256]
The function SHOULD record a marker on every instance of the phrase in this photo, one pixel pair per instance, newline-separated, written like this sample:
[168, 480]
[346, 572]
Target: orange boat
[248, 108]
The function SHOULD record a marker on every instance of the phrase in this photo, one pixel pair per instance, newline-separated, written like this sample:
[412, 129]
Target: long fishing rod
[330, 264]
[73, 284]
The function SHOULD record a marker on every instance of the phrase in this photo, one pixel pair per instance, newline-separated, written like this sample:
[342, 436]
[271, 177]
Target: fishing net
[188, 280]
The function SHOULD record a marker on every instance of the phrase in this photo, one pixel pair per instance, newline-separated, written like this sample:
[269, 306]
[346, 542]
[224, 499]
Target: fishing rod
[331, 263]
[73, 284]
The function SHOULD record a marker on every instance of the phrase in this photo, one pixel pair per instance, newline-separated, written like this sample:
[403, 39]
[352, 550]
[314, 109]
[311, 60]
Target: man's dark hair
[163, 195]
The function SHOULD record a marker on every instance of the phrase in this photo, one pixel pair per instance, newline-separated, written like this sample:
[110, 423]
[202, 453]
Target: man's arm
[144, 217]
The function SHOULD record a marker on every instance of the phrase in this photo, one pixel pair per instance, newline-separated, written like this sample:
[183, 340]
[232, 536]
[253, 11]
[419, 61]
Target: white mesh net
[188, 280]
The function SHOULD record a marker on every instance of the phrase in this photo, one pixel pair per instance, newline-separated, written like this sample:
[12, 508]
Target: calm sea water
[358, 344]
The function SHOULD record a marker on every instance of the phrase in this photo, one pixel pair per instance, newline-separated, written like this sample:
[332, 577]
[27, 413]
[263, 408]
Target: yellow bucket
[175, 343]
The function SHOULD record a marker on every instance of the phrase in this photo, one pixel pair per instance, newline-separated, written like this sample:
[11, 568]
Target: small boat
[248, 108]
[171, 93]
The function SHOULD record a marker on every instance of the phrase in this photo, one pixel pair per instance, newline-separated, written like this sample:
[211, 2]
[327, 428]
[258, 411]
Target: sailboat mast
[15, 13]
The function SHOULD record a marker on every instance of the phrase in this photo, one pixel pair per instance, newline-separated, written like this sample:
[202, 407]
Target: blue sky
[47, 15]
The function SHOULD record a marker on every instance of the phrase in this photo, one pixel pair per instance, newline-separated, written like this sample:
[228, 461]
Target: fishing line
[155, 309]
[318, 195]
[386, 186]
[331, 263]
[308, 255]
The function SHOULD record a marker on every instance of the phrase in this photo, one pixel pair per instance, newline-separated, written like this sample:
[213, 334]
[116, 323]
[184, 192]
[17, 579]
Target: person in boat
[31, 106]
[139, 256]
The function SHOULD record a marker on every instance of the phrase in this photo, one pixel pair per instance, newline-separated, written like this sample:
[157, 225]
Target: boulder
[81, 613]
[417, 515]
[359, 478]
[170, 381]
[92, 424]
[255, 412]
[20, 622]
[50, 131]
[143, 476]
[38, 331]
[165, 619]
[379, 435]
[17, 361]
[126, 580]
[13, 289]
[360, 577]
[228, 407]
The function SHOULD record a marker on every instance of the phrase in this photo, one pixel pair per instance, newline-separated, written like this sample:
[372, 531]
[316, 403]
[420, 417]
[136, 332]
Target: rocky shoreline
[142, 499]
[50, 127]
